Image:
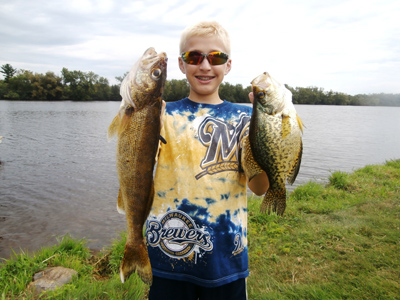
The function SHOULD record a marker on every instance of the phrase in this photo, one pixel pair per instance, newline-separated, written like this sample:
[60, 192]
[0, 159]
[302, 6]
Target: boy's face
[204, 79]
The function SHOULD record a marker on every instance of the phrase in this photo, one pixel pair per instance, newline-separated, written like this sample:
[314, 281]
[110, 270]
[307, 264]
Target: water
[346, 138]
[58, 172]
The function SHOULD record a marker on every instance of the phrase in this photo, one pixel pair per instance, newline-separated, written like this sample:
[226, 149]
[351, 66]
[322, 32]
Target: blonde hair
[206, 29]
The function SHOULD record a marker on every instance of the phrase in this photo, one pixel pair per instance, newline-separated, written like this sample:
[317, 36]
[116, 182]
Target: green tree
[234, 93]
[243, 93]
[114, 93]
[330, 98]
[305, 95]
[341, 99]
[175, 89]
[46, 87]
[3, 89]
[8, 72]
[357, 100]
[77, 84]
[102, 89]
[19, 86]
[226, 92]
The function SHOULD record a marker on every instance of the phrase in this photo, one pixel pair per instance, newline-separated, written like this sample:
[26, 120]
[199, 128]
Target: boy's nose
[205, 64]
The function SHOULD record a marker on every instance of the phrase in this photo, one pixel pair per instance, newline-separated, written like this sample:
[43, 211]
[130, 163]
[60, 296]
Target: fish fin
[113, 128]
[120, 204]
[296, 166]
[274, 199]
[300, 122]
[286, 127]
[248, 163]
[126, 118]
[136, 259]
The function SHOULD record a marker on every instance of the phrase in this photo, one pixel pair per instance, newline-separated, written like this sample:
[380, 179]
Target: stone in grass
[51, 278]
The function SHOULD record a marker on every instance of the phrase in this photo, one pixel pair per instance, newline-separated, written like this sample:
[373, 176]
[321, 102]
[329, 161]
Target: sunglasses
[196, 57]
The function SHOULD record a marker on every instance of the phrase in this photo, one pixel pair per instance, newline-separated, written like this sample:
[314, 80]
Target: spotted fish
[275, 138]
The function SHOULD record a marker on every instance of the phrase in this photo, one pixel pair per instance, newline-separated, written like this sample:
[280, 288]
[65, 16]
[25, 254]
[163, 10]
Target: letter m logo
[222, 140]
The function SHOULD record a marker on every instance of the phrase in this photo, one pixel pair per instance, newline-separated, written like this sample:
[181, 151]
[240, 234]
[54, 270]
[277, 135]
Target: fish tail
[275, 200]
[136, 259]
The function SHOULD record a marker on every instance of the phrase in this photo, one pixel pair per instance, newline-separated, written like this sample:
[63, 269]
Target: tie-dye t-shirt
[197, 227]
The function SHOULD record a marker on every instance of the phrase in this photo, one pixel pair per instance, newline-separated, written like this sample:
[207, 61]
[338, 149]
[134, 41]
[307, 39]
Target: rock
[51, 278]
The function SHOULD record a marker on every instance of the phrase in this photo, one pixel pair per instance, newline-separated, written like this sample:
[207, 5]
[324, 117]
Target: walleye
[275, 139]
[137, 126]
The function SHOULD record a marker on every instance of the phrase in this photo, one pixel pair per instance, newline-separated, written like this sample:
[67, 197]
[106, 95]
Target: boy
[197, 229]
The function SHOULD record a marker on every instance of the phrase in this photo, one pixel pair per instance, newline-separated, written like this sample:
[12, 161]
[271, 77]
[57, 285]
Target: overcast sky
[348, 46]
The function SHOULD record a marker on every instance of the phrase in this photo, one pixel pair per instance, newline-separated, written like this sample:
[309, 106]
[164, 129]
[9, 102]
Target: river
[58, 174]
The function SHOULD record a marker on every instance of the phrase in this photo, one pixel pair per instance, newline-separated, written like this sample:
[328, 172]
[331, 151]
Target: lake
[58, 172]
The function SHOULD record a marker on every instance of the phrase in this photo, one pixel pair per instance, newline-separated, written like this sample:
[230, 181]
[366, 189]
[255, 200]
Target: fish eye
[156, 73]
[260, 94]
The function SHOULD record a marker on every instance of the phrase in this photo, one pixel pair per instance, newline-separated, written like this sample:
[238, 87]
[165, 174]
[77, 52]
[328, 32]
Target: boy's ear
[181, 65]
[228, 66]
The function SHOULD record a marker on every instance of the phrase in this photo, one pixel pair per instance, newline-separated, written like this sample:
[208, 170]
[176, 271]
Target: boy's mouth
[204, 78]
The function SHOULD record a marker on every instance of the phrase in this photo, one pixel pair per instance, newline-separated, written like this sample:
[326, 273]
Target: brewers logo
[177, 235]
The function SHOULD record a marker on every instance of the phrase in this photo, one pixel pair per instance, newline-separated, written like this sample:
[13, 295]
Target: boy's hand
[251, 97]
[163, 104]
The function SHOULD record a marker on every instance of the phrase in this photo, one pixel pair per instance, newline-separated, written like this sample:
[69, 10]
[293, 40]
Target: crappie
[275, 139]
[137, 126]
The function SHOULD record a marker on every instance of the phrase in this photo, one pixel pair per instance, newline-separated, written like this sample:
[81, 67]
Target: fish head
[269, 94]
[145, 82]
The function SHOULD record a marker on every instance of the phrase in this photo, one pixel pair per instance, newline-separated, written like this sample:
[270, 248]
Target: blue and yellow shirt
[197, 227]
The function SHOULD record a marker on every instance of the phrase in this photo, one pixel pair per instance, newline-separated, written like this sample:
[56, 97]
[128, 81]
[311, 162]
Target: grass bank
[339, 241]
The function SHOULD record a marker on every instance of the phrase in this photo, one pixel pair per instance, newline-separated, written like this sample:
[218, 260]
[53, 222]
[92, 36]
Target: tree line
[88, 86]
[317, 96]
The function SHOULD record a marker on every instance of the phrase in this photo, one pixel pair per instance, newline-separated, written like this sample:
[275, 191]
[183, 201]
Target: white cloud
[90, 6]
[349, 46]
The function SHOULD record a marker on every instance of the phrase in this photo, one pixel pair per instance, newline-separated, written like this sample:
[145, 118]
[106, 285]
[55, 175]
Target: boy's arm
[163, 105]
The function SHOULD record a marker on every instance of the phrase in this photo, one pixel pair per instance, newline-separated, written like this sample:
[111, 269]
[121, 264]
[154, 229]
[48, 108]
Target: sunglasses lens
[217, 58]
[192, 57]
[196, 58]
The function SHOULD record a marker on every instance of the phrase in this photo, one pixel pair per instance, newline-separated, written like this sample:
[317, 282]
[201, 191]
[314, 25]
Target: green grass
[98, 274]
[339, 241]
